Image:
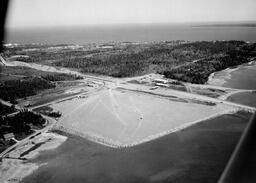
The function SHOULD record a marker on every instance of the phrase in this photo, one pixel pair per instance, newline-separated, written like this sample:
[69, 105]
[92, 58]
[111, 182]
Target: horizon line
[231, 22]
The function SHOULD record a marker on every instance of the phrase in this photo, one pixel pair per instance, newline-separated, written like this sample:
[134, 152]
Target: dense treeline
[163, 58]
[55, 114]
[22, 82]
[215, 47]
[41, 55]
[6, 109]
[199, 72]
[192, 61]
[61, 77]
[13, 89]
[20, 123]
[132, 61]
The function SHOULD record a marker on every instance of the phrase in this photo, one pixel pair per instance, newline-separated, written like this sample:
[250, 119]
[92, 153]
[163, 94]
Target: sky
[45, 13]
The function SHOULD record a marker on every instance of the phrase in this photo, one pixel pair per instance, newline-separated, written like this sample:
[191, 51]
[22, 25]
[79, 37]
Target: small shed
[8, 136]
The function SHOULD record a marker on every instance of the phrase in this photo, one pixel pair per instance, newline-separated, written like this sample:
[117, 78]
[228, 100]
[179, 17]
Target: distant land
[226, 25]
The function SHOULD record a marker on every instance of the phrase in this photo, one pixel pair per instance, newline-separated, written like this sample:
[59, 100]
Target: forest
[199, 72]
[21, 123]
[20, 82]
[4, 109]
[61, 77]
[14, 89]
[190, 62]
[185, 61]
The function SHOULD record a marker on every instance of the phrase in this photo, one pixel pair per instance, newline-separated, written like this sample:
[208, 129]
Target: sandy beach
[221, 77]
[16, 165]
[239, 77]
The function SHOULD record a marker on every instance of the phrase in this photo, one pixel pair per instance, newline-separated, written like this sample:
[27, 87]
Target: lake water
[246, 98]
[242, 77]
[196, 154]
[133, 33]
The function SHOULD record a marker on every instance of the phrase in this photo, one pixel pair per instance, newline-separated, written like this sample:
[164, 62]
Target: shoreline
[16, 165]
[212, 80]
[224, 75]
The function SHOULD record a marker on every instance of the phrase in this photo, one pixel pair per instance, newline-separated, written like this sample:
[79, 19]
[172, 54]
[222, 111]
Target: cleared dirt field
[125, 118]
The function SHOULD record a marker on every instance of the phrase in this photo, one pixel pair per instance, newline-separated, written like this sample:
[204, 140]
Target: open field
[124, 118]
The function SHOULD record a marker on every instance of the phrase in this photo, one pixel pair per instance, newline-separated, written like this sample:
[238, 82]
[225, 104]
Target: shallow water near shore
[196, 154]
[242, 77]
[246, 98]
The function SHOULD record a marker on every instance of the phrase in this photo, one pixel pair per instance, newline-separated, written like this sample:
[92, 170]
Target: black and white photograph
[127, 91]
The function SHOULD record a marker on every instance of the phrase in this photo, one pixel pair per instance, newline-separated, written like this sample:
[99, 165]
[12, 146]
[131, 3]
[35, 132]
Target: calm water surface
[243, 78]
[196, 154]
[133, 33]
[246, 98]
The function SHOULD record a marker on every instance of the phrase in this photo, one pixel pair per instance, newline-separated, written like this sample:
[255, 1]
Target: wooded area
[190, 62]
[20, 124]
[19, 82]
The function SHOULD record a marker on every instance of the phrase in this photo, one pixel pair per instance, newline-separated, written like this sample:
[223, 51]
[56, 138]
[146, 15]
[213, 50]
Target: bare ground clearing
[124, 118]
